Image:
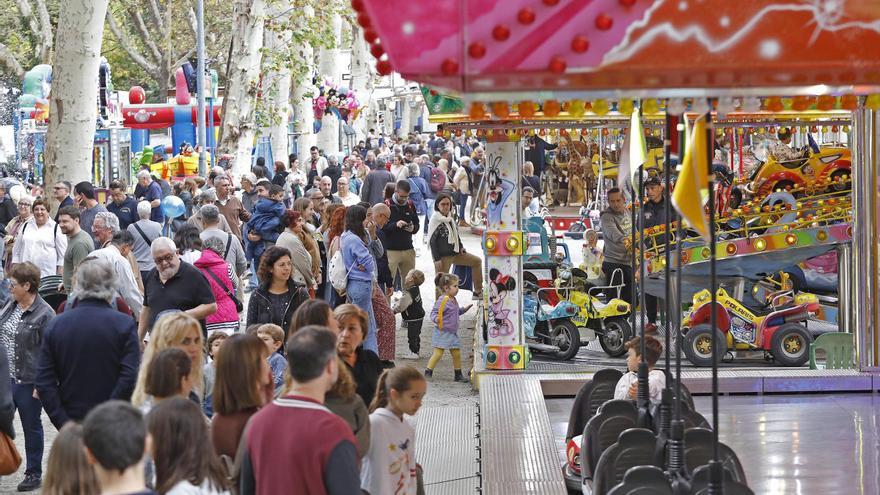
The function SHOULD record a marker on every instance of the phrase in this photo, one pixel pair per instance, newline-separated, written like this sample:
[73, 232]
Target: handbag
[239, 307]
[10, 459]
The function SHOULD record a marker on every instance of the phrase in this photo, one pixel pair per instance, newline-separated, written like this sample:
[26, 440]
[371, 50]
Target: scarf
[437, 219]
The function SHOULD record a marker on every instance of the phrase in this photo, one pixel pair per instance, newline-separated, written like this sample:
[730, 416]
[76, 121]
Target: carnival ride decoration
[179, 167]
[825, 166]
[181, 115]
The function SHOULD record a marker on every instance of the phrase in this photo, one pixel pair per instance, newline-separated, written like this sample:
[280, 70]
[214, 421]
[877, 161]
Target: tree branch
[46, 32]
[128, 47]
[193, 22]
[27, 11]
[156, 14]
[185, 57]
[7, 58]
[144, 33]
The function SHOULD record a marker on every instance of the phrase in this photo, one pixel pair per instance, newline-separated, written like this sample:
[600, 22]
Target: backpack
[438, 179]
[417, 196]
[338, 273]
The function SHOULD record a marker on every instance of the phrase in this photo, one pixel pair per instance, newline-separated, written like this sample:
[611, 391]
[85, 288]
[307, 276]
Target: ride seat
[700, 483]
[589, 398]
[838, 347]
[699, 451]
[643, 480]
[634, 447]
[602, 430]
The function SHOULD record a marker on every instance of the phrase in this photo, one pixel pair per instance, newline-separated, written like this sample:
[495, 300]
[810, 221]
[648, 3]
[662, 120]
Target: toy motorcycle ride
[598, 317]
[547, 327]
[777, 329]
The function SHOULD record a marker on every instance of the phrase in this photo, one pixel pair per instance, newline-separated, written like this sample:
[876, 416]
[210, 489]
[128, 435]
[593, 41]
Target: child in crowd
[390, 466]
[68, 471]
[115, 437]
[264, 227]
[593, 257]
[210, 370]
[628, 385]
[414, 314]
[445, 316]
[273, 336]
[167, 377]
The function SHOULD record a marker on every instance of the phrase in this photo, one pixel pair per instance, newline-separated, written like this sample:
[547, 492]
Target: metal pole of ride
[643, 399]
[667, 397]
[676, 429]
[200, 85]
[716, 486]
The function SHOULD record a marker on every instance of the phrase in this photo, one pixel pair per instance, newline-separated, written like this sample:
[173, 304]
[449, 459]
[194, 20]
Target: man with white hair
[206, 198]
[230, 207]
[115, 252]
[233, 252]
[149, 190]
[90, 352]
[174, 285]
[144, 231]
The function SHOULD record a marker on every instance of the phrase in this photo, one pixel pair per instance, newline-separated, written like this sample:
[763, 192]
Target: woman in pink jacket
[223, 280]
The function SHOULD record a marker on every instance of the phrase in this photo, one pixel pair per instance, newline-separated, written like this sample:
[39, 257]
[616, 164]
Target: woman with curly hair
[332, 239]
[291, 239]
[173, 329]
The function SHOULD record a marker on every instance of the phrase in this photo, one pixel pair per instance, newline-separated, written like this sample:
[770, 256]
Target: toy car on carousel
[778, 328]
[831, 164]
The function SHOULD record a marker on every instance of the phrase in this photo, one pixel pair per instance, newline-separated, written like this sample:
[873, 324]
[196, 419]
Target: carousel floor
[789, 444]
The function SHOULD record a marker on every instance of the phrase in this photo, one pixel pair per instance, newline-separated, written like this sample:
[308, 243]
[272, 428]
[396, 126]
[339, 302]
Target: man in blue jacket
[90, 353]
[122, 205]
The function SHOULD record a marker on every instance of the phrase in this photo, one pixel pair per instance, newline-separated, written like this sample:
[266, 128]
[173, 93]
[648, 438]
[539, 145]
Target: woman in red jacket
[221, 276]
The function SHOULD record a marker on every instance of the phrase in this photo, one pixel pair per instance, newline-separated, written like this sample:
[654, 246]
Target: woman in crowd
[360, 267]
[188, 242]
[68, 471]
[280, 176]
[243, 384]
[174, 329]
[22, 323]
[182, 451]
[292, 239]
[168, 376]
[462, 181]
[529, 178]
[278, 296]
[445, 242]
[39, 242]
[14, 227]
[314, 312]
[363, 364]
[336, 225]
[221, 277]
[305, 231]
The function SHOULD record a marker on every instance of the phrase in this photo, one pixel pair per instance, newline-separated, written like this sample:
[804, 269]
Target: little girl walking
[390, 466]
[445, 316]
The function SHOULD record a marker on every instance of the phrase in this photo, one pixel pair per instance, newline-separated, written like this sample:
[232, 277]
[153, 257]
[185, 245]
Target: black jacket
[440, 245]
[7, 407]
[655, 214]
[397, 239]
[260, 306]
[28, 337]
[8, 210]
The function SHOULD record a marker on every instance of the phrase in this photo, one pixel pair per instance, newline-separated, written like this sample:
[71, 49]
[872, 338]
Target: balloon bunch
[334, 99]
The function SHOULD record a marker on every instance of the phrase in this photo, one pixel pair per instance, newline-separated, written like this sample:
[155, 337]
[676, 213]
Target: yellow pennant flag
[693, 180]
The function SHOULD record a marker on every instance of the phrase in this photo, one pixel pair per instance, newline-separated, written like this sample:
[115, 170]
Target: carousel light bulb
[675, 106]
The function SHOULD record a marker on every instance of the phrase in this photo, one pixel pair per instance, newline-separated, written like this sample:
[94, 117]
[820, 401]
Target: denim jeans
[462, 206]
[254, 282]
[360, 293]
[29, 410]
[430, 209]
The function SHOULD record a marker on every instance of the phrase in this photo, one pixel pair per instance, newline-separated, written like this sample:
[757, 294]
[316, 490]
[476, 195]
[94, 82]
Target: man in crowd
[295, 444]
[90, 352]
[332, 172]
[174, 284]
[315, 165]
[399, 232]
[115, 438]
[206, 198]
[317, 198]
[122, 205]
[61, 193]
[655, 214]
[144, 232]
[426, 168]
[8, 208]
[115, 249]
[234, 252]
[373, 190]
[79, 242]
[616, 226]
[345, 195]
[149, 190]
[377, 219]
[528, 194]
[326, 191]
[249, 196]
[230, 207]
[86, 200]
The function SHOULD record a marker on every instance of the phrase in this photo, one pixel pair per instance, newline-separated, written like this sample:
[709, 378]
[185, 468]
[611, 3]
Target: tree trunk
[72, 108]
[242, 86]
[305, 117]
[329, 66]
[277, 85]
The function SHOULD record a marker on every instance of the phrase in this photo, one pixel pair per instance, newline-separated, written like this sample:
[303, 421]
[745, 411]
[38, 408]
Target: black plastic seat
[643, 480]
[603, 429]
[588, 399]
[700, 483]
[634, 447]
[698, 451]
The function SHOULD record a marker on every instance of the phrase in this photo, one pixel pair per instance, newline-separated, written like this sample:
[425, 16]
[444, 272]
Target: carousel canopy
[627, 47]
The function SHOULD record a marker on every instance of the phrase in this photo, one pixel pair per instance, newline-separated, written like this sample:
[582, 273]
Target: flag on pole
[634, 152]
[693, 181]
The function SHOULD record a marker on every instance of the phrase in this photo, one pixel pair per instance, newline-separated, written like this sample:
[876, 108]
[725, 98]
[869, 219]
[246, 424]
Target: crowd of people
[246, 345]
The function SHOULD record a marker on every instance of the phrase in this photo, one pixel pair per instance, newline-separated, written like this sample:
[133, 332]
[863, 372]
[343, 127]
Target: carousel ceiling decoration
[496, 46]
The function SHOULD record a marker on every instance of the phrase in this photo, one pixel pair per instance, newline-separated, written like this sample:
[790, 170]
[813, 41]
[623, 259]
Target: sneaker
[429, 373]
[410, 355]
[30, 483]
